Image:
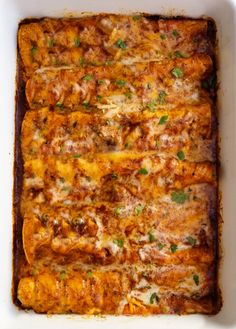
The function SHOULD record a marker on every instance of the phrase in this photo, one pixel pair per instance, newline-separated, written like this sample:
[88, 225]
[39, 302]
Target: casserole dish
[224, 16]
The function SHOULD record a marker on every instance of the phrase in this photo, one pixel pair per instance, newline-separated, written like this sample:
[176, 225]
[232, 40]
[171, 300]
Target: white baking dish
[224, 13]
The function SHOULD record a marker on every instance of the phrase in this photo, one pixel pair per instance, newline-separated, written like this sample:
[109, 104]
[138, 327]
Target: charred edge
[152, 17]
[216, 216]
[20, 109]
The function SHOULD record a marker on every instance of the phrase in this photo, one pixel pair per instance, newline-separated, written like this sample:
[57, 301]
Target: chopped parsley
[33, 50]
[154, 298]
[181, 155]
[60, 105]
[63, 275]
[143, 171]
[88, 77]
[151, 105]
[89, 274]
[128, 95]
[161, 97]
[191, 241]
[99, 97]
[173, 247]
[179, 197]
[118, 211]
[126, 145]
[138, 210]
[51, 42]
[177, 72]
[77, 42]
[196, 279]
[85, 104]
[114, 175]
[77, 156]
[101, 82]
[136, 17]
[160, 246]
[175, 33]
[120, 83]
[178, 54]
[163, 36]
[121, 44]
[151, 237]
[119, 242]
[82, 61]
[163, 119]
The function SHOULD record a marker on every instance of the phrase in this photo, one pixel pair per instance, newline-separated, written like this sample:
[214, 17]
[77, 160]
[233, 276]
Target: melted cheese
[119, 178]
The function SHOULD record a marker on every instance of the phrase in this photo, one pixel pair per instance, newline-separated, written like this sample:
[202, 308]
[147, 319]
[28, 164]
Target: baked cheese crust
[119, 191]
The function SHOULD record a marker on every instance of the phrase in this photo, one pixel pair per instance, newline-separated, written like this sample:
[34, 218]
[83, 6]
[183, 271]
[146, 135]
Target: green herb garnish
[101, 82]
[118, 211]
[82, 61]
[77, 156]
[196, 279]
[178, 54]
[163, 119]
[33, 50]
[128, 95]
[121, 44]
[99, 97]
[88, 77]
[177, 72]
[89, 274]
[138, 210]
[175, 33]
[173, 247]
[119, 242]
[181, 155]
[51, 42]
[151, 105]
[153, 298]
[160, 246]
[136, 17]
[179, 197]
[120, 83]
[114, 175]
[161, 98]
[158, 143]
[143, 171]
[77, 42]
[63, 275]
[60, 105]
[163, 36]
[85, 104]
[191, 241]
[151, 237]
